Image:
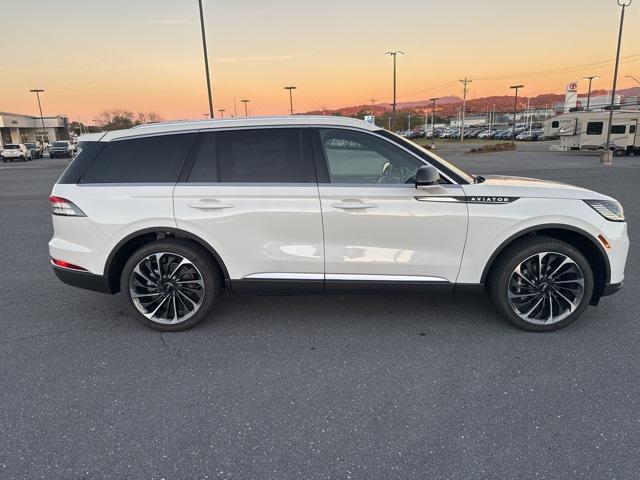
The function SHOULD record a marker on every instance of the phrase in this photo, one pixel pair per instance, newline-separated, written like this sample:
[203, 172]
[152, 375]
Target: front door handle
[353, 204]
[209, 204]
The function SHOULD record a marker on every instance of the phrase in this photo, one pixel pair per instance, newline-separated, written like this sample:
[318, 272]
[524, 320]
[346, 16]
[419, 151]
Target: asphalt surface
[313, 387]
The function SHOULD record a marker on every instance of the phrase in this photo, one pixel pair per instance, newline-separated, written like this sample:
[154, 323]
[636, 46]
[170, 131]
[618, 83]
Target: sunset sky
[146, 55]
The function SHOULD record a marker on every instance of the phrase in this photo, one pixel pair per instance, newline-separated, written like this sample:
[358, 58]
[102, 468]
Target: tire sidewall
[195, 254]
[514, 256]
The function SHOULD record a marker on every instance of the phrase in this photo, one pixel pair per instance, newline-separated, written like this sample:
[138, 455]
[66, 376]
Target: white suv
[170, 214]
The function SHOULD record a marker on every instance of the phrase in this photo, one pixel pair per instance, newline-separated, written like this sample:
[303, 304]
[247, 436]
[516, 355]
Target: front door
[377, 226]
[252, 195]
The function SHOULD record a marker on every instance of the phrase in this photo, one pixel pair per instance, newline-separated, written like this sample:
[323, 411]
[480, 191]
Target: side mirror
[427, 175]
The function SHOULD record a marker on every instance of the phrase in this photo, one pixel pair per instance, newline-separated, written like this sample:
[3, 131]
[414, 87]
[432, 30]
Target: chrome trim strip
[383, 278]
[438, 199]
[286, 276]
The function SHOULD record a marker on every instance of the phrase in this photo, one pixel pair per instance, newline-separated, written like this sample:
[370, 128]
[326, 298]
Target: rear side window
[594, 128]
[555, 124]
[250, 156]
[618, 128]
[140, 160]
[632, 129]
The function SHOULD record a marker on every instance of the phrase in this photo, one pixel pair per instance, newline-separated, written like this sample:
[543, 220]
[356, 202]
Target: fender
[555, 226]
[173, 231]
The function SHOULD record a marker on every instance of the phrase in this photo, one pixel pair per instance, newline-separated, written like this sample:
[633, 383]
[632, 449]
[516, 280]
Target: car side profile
[171, 214]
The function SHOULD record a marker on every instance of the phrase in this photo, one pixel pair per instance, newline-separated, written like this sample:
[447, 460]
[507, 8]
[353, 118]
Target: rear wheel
[541, 284]
[171, 284]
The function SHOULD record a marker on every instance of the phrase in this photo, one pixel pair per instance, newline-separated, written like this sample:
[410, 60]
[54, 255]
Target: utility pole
[38, 91]
[206, 59]
[222, 110]
[433, 112]
[591, 79]
[409, 117]
[235, 109]
[291, 89]
[606, 158]
[393, 111]
[515, 110]
[373, 101]
[465, 84]
[245, 101]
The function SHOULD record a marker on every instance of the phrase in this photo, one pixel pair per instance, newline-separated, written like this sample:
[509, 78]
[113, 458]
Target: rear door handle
[353, 204]
[209, 204]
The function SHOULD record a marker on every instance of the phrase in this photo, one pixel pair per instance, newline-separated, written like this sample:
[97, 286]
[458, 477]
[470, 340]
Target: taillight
[62, 206]
[67, 265]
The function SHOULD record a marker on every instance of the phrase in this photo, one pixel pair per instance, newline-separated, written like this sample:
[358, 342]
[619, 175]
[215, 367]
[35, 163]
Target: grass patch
[494, 147]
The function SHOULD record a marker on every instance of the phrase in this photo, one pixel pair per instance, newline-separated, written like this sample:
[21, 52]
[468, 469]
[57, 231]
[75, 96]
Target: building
[15, 128]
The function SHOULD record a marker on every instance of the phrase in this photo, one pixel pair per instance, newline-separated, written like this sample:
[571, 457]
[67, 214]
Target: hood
[501, 185]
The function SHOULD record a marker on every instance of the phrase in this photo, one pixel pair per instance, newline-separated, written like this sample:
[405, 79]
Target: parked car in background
[61, 148]
[15, 151]
[35, 148]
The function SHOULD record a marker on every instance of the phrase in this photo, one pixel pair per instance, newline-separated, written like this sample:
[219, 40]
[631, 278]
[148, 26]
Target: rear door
[252, 195]
[378, 227]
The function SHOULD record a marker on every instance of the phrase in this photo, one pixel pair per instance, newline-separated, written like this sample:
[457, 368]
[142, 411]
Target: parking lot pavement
[379, 386]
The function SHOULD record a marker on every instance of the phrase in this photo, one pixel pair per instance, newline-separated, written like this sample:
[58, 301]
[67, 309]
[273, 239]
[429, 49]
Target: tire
[174, 314]
[514, 294]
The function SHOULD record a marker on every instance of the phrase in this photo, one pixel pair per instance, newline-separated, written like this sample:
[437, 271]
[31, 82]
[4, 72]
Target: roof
[196, 125]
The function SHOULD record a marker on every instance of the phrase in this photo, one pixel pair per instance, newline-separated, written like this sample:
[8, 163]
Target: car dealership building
[16, 128]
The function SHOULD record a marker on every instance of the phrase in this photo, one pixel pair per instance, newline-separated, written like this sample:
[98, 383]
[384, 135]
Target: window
[594, 128]
[618, 129]
[141, 160]
[250, 156]
[356, 157]
[632, 129]
[555, 124]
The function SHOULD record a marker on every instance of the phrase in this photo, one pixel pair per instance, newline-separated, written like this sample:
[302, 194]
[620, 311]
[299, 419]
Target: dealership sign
[571, 97]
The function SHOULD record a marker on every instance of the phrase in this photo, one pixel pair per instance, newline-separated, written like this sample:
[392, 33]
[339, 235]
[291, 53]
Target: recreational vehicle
[588, 131]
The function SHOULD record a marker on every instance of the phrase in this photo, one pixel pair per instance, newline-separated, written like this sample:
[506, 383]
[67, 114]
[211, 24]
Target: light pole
[591, 79]
[206, 59]
[291, 89]
[245, 101]
[633, 78]
[465, 84]
[38, 91]
[409, 117]
[433, 112]
[606, 158]
[222, 110]
[515, 110]
[393, 110]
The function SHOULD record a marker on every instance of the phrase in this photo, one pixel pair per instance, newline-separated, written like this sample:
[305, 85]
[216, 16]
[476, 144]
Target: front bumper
[85, 280]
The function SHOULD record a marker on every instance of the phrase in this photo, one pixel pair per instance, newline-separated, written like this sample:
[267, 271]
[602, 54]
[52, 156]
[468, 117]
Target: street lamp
[245, 101]
[465, 83]
[206, 59]
[38, 91]
[515, 110]
[291, 89]
[589, 94]
[633, 78]
[606, 158]
[393, 111]
[433, 110]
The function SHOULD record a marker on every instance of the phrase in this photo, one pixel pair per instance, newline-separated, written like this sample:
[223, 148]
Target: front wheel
[541, 284]
[170, 284]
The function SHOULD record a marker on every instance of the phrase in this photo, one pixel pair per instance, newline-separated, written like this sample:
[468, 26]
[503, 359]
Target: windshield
[30, 145]
[439, 162]
[59, 144]
[11, 147]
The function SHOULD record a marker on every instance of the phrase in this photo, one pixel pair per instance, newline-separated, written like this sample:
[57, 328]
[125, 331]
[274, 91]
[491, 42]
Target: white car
[170, 214]
[15, 151]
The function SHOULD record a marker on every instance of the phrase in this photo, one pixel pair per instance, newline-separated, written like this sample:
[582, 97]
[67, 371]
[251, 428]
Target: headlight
[609, 209]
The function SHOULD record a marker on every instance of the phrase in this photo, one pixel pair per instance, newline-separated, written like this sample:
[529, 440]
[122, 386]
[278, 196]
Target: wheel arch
[132, 242]
[586, 243]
